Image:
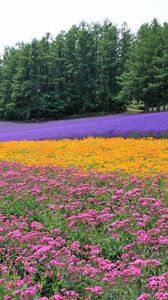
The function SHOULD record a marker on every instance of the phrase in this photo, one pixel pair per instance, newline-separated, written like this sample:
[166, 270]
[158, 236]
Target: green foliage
[146, 73]
[91, 68]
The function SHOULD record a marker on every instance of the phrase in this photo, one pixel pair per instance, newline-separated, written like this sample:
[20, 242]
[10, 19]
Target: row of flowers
[133, 156]
[134, 125]
[68, 234]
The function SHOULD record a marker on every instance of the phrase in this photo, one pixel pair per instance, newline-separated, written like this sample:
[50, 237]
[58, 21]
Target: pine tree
[107, 66]
[86, 68]
[59, 92]
[8, 69]
[139, 81]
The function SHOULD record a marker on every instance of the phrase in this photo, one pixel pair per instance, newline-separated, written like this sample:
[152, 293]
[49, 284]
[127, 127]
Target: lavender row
[138, 125]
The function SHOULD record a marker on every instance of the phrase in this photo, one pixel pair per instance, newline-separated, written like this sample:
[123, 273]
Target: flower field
[137, 125]
[137, 156]
[84, 219]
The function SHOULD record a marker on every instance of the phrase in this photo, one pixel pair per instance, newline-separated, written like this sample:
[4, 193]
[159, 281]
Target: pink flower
[157, 282]
[58, 297]
[143, 296]
[36, 225]
[16, 234]
[31, 270]
[75, 246]
[20, 282]
[2, 238]
[161, 295]
[131, 272]
[42, 251]
[115, 236]
[29, 292]
[163, 240]
[97, 290]
[119, 192]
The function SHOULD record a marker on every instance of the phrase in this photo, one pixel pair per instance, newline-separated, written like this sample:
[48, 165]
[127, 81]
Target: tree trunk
[158, 108]
[146, 108]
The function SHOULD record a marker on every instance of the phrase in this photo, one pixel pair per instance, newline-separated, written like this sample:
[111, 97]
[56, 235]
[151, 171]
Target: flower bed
[136, 156]
[138, 125]
[68, 234]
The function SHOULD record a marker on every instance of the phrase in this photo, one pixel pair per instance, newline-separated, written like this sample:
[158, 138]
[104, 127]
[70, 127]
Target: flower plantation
[84, 219]
[135, 156]
[128, 125]
[66, 234]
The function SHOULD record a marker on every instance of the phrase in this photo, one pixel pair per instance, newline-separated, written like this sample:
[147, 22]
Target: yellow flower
[135, 156]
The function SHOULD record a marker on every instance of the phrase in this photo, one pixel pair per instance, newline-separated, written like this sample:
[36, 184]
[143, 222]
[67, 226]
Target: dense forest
[92, 68]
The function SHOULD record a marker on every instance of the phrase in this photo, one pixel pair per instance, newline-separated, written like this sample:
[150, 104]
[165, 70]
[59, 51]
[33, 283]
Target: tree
[58, 93]
[71, 65]
[90, 68]
[8, 69]
[161, 70]
[139, 81]
[86, 68]
[125, 42]
[107, 66]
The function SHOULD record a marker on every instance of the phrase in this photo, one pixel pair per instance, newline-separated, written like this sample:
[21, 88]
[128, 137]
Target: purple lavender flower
[138, 125]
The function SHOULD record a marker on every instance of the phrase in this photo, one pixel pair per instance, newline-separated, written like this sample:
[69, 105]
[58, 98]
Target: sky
[23, 20]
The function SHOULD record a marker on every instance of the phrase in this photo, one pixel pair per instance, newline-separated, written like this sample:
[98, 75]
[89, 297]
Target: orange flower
[136, 156]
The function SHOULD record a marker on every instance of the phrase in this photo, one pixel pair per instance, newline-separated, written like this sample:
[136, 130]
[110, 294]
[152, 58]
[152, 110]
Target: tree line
[91, 68]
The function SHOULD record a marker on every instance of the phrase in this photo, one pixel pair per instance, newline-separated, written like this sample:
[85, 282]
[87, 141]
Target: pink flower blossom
[143, 296]
[97, 290]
